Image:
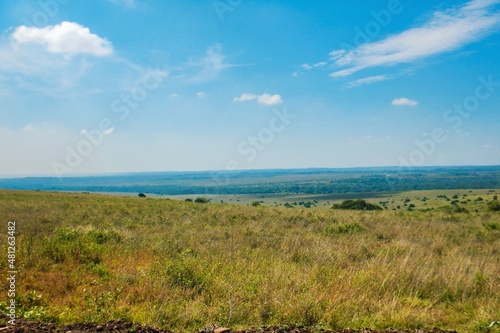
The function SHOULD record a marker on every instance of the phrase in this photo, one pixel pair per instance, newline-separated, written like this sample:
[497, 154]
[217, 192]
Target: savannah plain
[185, 265]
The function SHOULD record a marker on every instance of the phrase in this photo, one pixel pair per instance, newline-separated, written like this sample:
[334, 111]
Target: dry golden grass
[184, 265]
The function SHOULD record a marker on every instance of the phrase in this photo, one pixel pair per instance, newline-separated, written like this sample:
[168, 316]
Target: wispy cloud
[367, 80]
[265, 99]
[316, 65]
[403, 101]
[209, 66]
[201, 94]
[447, 30]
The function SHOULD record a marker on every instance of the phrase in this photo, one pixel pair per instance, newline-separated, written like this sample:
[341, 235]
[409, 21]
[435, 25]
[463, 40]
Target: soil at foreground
[24, 326]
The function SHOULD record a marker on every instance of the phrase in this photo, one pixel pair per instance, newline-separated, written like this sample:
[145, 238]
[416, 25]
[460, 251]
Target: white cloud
[245, 97]
[487, 146]
[28, 128]
[266, 99]
[201, 94]
[367, 80]
[446, 31]
[403, 101]
[208, 67]
[106, 132]
[109, 131]
[67, 38]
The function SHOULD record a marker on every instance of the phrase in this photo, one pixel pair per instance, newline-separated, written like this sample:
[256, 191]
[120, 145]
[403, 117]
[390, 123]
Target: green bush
[84, 247]
[494, 206]
[184, 273]
[356, 205]
[346, 228]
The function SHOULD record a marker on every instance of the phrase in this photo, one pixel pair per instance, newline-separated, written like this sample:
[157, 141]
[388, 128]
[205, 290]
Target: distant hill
[306, 181]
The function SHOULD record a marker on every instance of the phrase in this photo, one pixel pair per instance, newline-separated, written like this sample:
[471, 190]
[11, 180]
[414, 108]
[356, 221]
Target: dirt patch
[25, 326]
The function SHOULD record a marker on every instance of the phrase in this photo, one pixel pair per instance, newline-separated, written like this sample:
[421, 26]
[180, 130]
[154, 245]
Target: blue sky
[136, 85]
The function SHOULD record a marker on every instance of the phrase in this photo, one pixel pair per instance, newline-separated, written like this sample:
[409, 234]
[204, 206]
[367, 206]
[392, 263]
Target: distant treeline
[306, 181]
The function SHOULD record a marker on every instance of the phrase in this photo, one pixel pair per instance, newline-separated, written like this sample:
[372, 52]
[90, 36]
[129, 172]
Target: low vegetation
[184, 265]
[356, 205]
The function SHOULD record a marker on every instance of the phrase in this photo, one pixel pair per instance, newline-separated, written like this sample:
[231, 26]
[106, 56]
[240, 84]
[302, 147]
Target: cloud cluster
[403, 101]
[446, 31]
[67, 37]
[265, 99]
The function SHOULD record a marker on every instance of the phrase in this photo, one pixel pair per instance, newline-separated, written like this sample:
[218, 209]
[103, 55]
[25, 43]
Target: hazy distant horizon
[381, 168]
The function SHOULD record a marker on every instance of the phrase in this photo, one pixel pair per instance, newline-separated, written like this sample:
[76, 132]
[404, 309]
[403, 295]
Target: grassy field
[185, 265]
[422, 200]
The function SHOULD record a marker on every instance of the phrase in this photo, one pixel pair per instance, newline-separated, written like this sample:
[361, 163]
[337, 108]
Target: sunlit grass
[184, 265]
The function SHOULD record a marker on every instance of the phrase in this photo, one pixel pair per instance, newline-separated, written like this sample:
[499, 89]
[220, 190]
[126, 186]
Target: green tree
[356, 205]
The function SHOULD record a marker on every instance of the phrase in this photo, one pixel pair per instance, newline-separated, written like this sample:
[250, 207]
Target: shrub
[201, 200]
[356, 205]
[142, 195]
[494, 206]
[346, 228]
[185, 274]
[84, 247]
[492, 226]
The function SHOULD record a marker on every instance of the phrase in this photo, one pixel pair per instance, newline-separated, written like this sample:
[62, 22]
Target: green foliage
[202, 200]
[358, 204]
[453, 208]
[346, 228]
[186, 274]
[277, 181]
[494, 205]
[30, 305]
[71, 244]
[256, 203]
[183, 266]
[492, 225]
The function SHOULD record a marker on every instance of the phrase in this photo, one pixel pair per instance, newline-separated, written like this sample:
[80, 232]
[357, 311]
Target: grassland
[476, 199]
[184, 265]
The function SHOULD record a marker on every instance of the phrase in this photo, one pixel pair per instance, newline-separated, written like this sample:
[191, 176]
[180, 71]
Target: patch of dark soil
[30, 326]
[301, 329]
